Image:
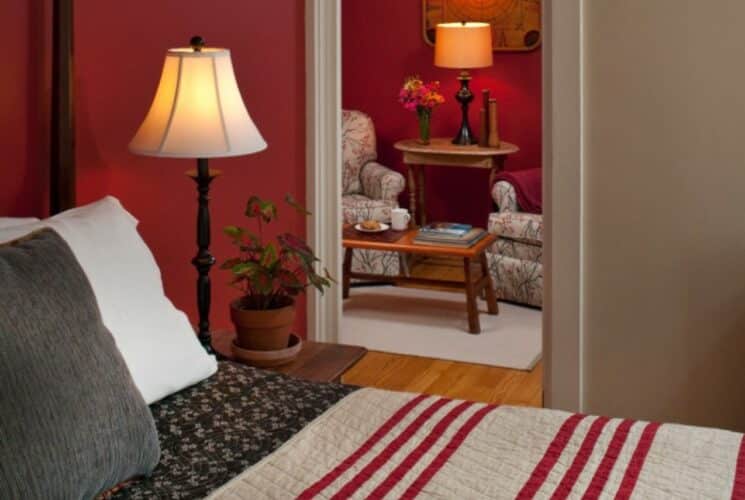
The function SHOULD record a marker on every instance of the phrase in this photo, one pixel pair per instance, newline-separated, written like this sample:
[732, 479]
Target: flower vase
[425, 115]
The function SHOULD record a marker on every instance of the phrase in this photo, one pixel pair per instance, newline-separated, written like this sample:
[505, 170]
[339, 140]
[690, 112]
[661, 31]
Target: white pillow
[155, 339]
[16, 221]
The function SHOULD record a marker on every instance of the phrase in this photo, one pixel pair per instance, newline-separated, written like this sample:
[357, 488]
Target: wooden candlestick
[484, 120]
[493, 130]
[484, 129]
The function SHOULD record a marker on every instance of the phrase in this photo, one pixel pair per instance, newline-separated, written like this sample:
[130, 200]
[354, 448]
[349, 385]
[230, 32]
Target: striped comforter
[380, 444]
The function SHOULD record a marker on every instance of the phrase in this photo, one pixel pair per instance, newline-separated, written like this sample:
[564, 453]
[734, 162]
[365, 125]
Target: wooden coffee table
[403, 242]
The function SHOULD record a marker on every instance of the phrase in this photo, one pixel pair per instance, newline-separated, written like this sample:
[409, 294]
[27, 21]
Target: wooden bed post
[62, 144]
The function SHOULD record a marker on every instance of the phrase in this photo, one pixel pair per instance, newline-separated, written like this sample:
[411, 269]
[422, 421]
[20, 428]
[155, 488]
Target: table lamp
[463, 46]
[198, 112]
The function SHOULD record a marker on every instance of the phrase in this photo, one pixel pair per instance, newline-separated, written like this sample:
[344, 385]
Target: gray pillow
[72, 422]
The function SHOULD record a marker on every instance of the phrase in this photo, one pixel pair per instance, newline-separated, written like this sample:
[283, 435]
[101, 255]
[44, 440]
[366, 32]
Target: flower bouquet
[421, 97]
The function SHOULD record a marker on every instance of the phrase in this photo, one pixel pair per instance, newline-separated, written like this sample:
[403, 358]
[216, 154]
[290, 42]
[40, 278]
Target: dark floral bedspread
[211, 432]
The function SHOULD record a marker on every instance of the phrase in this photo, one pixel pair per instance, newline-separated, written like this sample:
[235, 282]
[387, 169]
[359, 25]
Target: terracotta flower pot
[263, 330]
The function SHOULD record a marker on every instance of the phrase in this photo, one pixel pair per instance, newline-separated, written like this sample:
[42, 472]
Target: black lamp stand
[464, 96]
[204, 260]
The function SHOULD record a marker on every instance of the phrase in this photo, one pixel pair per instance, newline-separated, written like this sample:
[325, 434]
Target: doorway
[561, 164]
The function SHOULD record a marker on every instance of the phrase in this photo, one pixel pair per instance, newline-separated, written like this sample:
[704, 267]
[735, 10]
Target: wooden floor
[453, 379]
[488, 384]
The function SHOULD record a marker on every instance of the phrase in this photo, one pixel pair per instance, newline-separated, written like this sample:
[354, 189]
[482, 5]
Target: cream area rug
[434, 324]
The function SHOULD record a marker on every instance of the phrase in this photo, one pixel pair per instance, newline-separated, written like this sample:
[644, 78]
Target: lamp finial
[197, 43]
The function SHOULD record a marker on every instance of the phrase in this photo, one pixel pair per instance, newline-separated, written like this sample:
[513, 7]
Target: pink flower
[416, 94]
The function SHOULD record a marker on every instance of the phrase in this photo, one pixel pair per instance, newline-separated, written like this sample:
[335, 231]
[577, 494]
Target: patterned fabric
[358, 207]
[516, 280]
[369, 189]
[376, 262]
[211, 432]
[358, 148]
[520, 226]
[382, 444]
[381, 183]
[515, 258]
[504, 196]
[517, 250]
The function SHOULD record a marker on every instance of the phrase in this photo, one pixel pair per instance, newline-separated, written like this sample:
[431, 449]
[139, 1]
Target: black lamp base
[204, 260]
[464, 96]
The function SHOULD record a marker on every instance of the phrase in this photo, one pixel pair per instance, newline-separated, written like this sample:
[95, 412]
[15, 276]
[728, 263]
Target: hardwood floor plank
[487, 384]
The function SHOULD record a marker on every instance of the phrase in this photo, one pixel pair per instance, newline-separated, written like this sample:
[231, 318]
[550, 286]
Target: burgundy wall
[119, 56]
[119, 51]
[382, 43]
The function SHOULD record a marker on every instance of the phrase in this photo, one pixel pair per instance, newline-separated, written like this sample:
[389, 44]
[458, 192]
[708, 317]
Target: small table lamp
[463, 46]
[198, 113]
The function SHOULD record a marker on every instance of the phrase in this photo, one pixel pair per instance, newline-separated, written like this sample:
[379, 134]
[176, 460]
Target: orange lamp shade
[463, 45]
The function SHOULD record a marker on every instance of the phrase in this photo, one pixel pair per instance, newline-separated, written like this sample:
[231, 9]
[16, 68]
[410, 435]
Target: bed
[249, 434]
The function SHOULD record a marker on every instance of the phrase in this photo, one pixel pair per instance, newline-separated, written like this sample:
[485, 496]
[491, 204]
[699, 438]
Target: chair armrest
[518, 226]
[503, 194]
[381, 183]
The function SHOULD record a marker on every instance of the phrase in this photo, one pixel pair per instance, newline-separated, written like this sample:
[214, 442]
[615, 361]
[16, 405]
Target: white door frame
[562, 188]
[323, 145]
[562, 166]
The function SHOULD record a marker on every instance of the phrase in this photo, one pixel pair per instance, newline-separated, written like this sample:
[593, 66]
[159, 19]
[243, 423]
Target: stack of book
[449, 234]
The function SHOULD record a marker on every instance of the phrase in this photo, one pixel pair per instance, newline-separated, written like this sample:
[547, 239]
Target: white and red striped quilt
[380, 444]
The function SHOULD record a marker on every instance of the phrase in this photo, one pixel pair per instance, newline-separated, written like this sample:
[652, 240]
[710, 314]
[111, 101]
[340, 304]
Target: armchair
[369, 189]
[515, 259]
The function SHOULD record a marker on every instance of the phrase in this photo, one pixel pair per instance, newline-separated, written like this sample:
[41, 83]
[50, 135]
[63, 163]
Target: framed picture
[515, 24]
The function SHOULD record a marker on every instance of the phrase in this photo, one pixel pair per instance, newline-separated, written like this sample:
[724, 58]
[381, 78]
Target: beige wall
[663, 312]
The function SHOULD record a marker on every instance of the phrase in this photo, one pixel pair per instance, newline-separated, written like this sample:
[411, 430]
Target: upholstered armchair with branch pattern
[515, 258]
[369, 189]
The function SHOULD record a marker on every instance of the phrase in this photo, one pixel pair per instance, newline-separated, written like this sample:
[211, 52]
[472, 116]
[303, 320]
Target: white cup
[400, 219]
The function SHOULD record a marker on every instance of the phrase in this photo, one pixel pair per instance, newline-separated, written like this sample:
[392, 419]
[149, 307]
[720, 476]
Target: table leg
[471, 305]
[491, 297]
[412, 192]
[498, 167]
[346, 270]
[421, 188]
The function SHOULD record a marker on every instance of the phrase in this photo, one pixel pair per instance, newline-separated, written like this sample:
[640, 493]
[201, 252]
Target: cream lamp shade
[197, 111]
[463, 45]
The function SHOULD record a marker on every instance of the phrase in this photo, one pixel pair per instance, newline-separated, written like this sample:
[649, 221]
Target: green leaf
[328, 276]
[290, 200]
[245, 268]
[230, 263]
[265, 209]
[234, 232]
[269, 256]
[261, 281]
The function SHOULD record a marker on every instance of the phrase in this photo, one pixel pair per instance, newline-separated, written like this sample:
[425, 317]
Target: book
[466, 240]
[446, 228]
[458, 243]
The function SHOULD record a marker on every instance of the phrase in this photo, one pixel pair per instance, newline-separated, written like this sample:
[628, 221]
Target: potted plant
[269, 274]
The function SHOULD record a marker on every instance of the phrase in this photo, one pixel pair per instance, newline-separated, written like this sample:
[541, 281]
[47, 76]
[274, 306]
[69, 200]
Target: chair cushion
[72, 421]
[358, 148]
[357, 207]
[520, 226]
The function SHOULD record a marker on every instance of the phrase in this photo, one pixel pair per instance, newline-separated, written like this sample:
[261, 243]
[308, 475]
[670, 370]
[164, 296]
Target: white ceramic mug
[400, 219]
